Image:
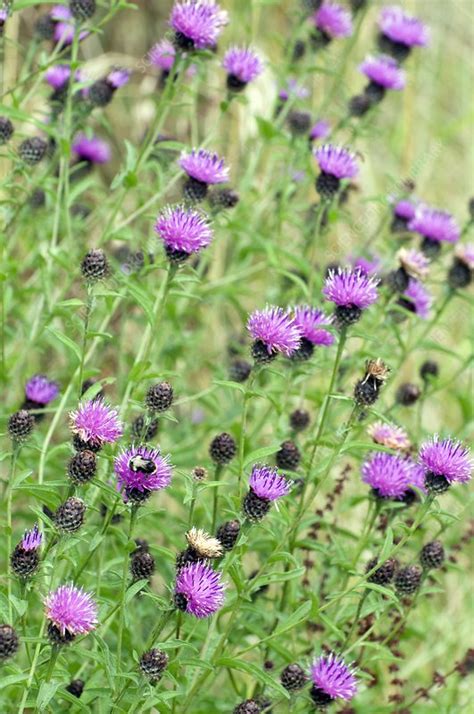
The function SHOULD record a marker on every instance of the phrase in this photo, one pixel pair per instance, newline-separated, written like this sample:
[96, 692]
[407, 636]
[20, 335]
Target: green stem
[217, 474]
[243, 426]
[52, 663]
[9, 487]
[84, 339]
[159, 627]
[126, 562]
[355, 620]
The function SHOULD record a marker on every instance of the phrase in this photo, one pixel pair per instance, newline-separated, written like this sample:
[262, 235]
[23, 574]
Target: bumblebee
[142, 465]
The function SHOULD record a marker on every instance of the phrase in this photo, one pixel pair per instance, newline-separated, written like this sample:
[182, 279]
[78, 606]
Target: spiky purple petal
[243, 63]
[333, 676]
[276, 329]
[435, 225]
[199, 21]
[41, 389]
[401, 27]
[310, 320]
[183, 229]
[97, 422]
[92, 149]
[334, 20]
[448, 458]
[204, 166]
[337, 161]
[32, 539]
[127, 478]
[202, 588]
[384, 71]
[71, 609]
[267, 483]
[350, 287]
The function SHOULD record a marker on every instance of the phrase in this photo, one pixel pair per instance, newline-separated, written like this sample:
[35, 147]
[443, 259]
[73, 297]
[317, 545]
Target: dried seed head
[204, 544]
[9, 642]
[377, 368]
[199, 473]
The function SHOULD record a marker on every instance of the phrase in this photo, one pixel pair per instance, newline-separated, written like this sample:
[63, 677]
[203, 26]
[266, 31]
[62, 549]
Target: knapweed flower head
[243, 64]
[142, 468]
[64, 25]
[439, 226]
[414, 262]
[405, 209]
[71, 610]
[58, 75]
[389, 475]
[41, 390]
[336, 161]
[448, 458]
[183, 229]
[276, 329]
[32, 539]
[267, 483]
[118, 77]
[333, 20]
[333, 677]
[368, 266]
[96, 422]
[383, 71]
[389, 435]
[91, 149]
[402, 28]
[347, 287]
[204, 166]
[310, 322]
[293, 90]
[162, 55]
[320, 130]
[197, 23]
[417, 299]
[198, 590]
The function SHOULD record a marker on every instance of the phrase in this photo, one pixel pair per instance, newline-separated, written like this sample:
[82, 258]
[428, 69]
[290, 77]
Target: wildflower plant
[236, 283]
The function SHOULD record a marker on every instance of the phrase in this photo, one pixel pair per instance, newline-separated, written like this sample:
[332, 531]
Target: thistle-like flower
[352, 292]
[389, 435]
[91, 150]
[400, 32]
[162, 55]
[435, 227]
[390, 476]
[310, 321]
[383, 73]
[197, 24]
[58, 75]
[445, 461]
[184, 231]
[198, 590]
[332, 21]
[96, 423]
[203, 169]
[242, 65]
[70, 612]
[273, 330]
[335, 163]
[332, 679]
[25, 558]
[40, 391]
[140, 470]
[416, 299]
[265, 486]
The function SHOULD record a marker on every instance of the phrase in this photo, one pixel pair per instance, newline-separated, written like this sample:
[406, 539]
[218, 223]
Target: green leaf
[299, 615]
[67, 342]
[262, 453]
[256, 672]
[46, 693]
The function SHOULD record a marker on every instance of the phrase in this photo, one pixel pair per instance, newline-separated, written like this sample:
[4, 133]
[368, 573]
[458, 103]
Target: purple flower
[332, 677]
[93, 150]
[41, 390]
[293, 90]
[389, 435]
[414, 263]
[162, 55]
[336, 161]
[58, 76]
[60, 12]
[390, 476]
[367, 266]
[242, 64]
[402, 28]
[64, 29]
[183, 229]
[268, 484]
[71, 610]
[276, 329]
[417, 299]
[96, 422]
[118, 77]
[348, 287]
[32, 539]
[320, 130]
[142, 468]
[435, 225]
[309, 321]
[197, 23]
[204, 167]
[383, 71]
[333, 20]
[448, 458]
[405, 209]
[198, 590]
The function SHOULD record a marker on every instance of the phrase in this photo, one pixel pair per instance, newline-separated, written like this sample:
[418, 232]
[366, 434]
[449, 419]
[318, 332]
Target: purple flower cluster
[183, 230]
[32, 539]
[268, 484]
[402, 28]
[336, 161]
[332, 679]
[91, 149]
[391, 476]
[416, 299]
[205, 167]
[143, 469]
[435, 227]
[333, 21]
[71, 610]
[275, 329]
[384, 72]
[242, 65]
[444, 462]
[41, 390]
[198, 590]
[351, 291]
[95, 422]
[197, 24]
[310, 321]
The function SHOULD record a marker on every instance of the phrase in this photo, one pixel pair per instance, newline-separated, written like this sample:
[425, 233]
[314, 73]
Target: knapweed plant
[235, 356]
